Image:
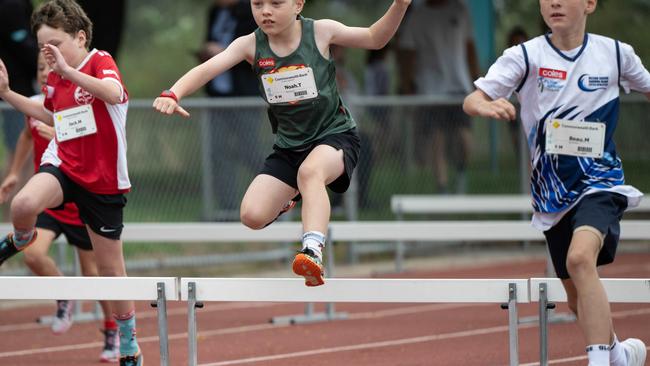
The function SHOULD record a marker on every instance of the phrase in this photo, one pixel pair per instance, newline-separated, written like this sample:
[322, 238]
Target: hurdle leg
[161, 305]
[513, 324]
[192, 305]
[544, 307]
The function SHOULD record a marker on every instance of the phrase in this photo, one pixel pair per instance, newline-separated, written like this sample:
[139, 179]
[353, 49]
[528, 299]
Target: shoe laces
[311, 254]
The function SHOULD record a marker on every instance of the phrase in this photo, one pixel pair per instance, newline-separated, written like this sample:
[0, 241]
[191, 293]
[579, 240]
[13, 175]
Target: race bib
[583, 139]
[74, 123]
[290, 86]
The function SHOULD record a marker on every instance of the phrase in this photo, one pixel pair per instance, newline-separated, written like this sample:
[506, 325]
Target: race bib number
[583, 139]
[290, 86]
[74, 123]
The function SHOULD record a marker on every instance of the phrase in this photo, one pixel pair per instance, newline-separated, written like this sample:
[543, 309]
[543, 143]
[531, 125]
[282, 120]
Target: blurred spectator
[349, 86]
[439, 58]
[233, 131]
[516, 36]
[376, 75]
[19, 51]
[376, 83]
[108, 23]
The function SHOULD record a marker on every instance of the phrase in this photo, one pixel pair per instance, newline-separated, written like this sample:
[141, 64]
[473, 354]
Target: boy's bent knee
[24, 206]
[253, 220]
[580, 261]
[309, 173]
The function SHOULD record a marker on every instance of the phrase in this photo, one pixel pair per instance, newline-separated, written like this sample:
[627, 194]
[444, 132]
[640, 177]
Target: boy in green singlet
[316, 144]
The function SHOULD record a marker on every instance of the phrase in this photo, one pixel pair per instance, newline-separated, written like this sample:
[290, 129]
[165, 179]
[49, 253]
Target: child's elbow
[115, 99]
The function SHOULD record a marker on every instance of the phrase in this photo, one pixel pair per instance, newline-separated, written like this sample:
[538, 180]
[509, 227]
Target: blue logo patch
[553, 85]
[591, 84]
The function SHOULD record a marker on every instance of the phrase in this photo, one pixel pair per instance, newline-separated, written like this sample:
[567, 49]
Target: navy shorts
[602, 211]
[101, 212]
[75, 235]
[283, 164]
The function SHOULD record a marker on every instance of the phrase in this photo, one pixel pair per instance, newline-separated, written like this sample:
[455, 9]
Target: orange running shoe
[308, 265]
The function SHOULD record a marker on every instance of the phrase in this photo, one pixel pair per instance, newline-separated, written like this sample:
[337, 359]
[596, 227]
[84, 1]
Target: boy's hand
[497, 109]
[4, 78]
[55, 59]
[169, 106]
[45, 131]
[7, 187]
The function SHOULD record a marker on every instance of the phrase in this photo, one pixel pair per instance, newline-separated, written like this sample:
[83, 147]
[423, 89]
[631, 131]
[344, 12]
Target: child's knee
[253, 218]
[308, 173]
[24, 205]
[579, 261]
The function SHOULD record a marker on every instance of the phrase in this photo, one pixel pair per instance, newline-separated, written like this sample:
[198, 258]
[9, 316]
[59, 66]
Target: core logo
[552, 74]
[266, 62]
[83, 97]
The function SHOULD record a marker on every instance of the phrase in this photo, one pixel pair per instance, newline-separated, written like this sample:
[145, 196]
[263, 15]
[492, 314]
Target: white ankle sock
[315, 241]
[617, 356]
[598, 354]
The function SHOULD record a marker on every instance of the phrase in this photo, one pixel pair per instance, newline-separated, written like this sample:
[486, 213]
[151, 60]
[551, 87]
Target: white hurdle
[547, 291]
[508, 292]
[155, 289]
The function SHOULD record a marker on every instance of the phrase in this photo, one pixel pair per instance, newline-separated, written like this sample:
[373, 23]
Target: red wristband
[169, 94]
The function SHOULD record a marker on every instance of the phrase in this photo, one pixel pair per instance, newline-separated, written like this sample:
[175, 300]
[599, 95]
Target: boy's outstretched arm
[241, 49]
[375, 37]
[23, 104]
[480, 104]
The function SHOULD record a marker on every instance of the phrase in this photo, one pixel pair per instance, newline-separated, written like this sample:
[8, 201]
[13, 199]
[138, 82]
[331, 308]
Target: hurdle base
[553, 318]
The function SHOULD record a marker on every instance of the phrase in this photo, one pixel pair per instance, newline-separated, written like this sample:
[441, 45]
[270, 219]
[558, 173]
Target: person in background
[516, 36]
[440, 60]
[108, 24]
[19, 50]
[234, 133]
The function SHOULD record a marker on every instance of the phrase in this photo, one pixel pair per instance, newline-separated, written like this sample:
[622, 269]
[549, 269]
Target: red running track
[374, 334]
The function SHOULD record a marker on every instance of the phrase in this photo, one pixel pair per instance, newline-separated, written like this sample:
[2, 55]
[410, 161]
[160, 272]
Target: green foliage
[623, 20]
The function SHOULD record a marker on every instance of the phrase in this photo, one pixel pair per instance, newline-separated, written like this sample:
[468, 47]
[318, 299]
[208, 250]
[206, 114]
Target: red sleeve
[104, 67]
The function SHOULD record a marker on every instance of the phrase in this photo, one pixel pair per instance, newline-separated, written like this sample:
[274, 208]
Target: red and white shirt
[70, 213]
[96, 162]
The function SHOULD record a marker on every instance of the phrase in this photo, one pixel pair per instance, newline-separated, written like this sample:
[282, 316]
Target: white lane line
[366, 315]
[150, 314]
[267, 326]
[397, 342]
[363, 346]
[242, 329]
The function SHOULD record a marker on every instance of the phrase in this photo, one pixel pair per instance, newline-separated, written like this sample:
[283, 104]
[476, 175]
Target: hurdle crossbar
[504, 291]
[547, 291]
[155, 289]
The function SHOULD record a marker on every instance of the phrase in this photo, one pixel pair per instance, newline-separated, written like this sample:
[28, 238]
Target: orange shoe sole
[307, 268]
